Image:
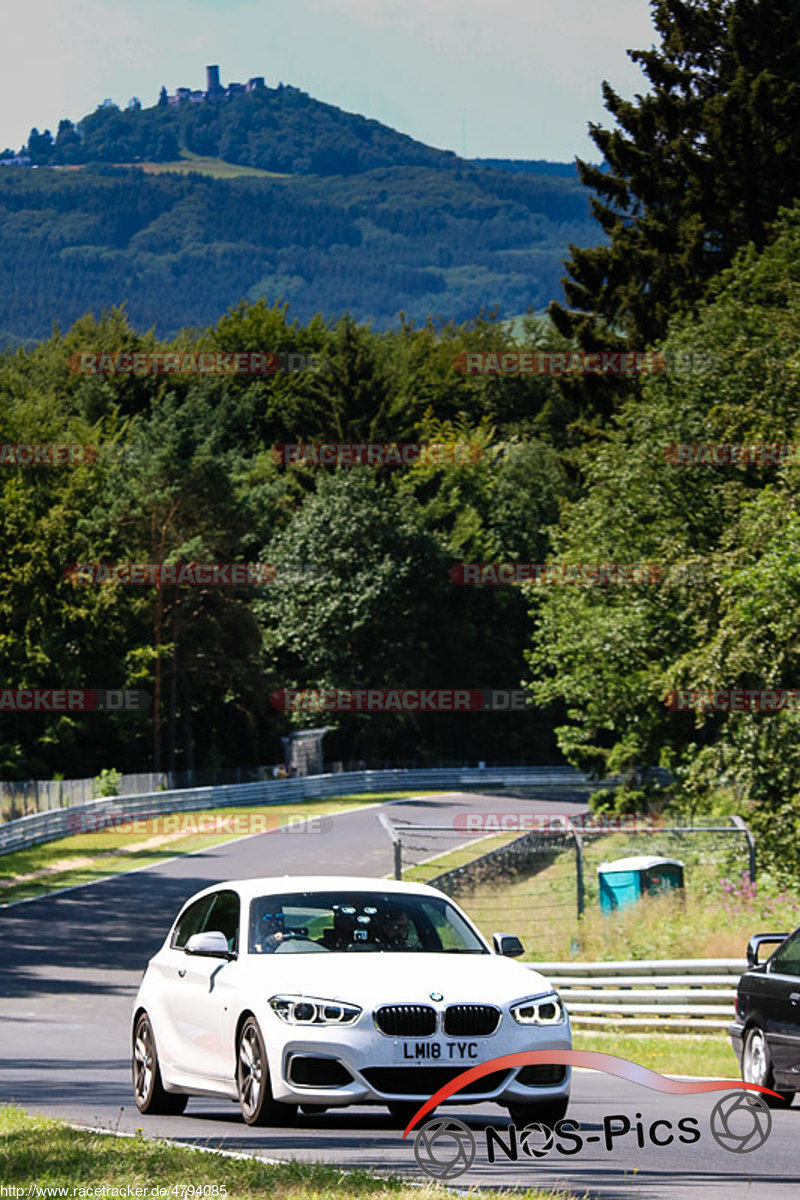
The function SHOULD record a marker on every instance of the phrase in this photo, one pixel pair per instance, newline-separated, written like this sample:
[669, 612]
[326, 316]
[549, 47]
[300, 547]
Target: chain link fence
[548, 878]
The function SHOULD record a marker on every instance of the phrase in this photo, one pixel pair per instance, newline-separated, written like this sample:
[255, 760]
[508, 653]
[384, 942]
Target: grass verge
[714, 918]
[456, 856]
[35, 1150]
[86, 857]
[708, 1054]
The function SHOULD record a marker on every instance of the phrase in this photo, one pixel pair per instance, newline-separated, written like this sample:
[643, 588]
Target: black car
[766, 1032]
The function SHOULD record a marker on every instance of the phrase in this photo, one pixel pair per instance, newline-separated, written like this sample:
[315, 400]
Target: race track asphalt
[71, 964]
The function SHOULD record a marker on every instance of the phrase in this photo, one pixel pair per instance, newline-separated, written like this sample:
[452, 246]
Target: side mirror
[507, 944]
[760, 939]
[211, 944]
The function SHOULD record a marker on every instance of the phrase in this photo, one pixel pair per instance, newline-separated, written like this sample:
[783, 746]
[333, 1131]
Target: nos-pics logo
[446, 1148]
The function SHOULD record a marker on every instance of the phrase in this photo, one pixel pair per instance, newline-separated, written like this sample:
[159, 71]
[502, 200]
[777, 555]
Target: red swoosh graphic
[611, 1064]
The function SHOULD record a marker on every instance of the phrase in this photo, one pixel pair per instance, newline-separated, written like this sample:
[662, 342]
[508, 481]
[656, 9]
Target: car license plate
[424, 1051]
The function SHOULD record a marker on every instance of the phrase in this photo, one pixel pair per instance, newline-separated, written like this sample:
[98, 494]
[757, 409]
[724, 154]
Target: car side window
[786, 959]
[224, 916]
[191, 922]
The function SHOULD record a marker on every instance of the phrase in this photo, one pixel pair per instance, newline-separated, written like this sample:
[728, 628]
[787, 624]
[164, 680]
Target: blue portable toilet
[626, 880]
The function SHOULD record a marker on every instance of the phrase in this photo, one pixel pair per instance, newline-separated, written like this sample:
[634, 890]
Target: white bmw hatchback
[328, 991]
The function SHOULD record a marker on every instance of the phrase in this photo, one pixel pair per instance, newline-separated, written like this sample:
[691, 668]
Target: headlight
[540, 1010]
[308, 1010]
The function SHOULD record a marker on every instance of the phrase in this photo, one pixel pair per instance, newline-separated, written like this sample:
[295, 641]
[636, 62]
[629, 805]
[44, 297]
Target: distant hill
[272, 194]
[280, 129]
[530, 166]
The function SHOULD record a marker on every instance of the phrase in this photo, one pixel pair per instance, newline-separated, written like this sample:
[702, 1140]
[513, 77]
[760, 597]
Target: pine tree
[697, 167]
[162, 97]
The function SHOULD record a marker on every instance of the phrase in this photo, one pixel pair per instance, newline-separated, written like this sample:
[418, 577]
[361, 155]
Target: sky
[485, 78]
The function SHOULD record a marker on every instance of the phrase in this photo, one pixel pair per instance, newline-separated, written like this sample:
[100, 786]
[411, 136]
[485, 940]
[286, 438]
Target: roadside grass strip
[714, 917]
[46, 1158]
[456, 856]
[704, 1055]
[88, 857]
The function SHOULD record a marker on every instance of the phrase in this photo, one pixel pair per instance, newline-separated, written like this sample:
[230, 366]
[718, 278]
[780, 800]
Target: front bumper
[377, 1071]
[736, 1034]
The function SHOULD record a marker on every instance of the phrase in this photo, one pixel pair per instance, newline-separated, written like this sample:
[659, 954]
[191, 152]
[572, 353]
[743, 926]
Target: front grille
[471, 1020]
[406, 1020]
[318, 1072]
[424, 1081]
[542, 1075]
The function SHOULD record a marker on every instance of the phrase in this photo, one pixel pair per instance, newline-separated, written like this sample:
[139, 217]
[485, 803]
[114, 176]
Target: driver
[271, 932]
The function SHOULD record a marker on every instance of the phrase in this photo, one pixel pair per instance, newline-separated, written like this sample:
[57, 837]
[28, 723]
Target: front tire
[548, 1112]
[252, 1080]
[148, 1089]
[757, 1068]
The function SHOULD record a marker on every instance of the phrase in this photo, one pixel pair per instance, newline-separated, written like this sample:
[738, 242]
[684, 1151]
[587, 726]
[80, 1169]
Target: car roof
[248, 889]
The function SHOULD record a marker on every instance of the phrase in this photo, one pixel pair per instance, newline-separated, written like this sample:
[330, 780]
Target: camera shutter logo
[444, 1148]
[536, 1139]
[740, 1122]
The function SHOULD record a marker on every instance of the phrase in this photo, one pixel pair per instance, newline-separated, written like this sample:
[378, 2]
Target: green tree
[180, 497]
[696, 168]
[725, 538]
[52, 633]
[354, 604]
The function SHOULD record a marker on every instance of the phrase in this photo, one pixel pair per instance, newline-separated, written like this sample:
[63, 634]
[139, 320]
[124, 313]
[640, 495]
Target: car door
[199, 988]
[782, 1004]
[168, 970]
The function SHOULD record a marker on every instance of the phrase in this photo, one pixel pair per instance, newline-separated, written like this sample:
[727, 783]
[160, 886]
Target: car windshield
[358, 922]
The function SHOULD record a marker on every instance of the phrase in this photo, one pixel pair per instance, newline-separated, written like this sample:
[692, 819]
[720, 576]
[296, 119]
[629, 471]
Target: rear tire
[252, 1080]
[548, 1112]
[148, 1089]
[757, 1068]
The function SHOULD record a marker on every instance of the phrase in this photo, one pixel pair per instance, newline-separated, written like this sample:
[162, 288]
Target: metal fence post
[397, 844]
[579, 871]
[751, 845]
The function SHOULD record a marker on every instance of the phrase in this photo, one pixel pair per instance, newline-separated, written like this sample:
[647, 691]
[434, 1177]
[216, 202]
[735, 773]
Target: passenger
[394, 930]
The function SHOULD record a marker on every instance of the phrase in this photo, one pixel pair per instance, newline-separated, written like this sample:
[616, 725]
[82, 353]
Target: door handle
[794, 997]
[182, 972]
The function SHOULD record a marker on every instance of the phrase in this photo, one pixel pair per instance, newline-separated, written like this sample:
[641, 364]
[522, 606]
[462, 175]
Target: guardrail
[668, 995]
[58, 823]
